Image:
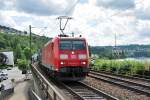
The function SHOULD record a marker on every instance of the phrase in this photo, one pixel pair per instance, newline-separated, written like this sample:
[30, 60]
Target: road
[15, 74]
[21, 91]
[21, 86]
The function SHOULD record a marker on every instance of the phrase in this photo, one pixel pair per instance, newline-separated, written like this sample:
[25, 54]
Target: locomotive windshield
[72, 45]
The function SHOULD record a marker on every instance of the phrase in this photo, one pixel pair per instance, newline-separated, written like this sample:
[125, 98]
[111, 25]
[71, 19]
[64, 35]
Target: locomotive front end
[73, 58]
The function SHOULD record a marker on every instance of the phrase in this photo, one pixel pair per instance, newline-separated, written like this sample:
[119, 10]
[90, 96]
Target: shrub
[125, 67]
[22, 64]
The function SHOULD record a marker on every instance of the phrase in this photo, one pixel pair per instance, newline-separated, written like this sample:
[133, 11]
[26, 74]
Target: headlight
[83, 62]
[63, 56]
[82, 56]
[62, 63]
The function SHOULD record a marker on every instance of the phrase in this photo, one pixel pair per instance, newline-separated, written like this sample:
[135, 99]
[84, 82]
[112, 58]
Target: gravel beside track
[139, 88]
[131, 79]
[121, 93]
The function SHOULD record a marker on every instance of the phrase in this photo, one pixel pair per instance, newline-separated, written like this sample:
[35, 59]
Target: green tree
[18, 51]
[27, 52]
[2, 42]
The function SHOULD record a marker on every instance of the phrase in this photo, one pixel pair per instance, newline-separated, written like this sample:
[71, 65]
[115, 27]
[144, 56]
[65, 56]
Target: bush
[22, 64]
[125, 67]
[138, 68]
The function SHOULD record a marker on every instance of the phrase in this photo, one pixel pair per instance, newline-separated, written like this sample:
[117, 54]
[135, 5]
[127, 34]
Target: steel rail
[86, 92]
[144, 89]
[123, 76]
[122, 79]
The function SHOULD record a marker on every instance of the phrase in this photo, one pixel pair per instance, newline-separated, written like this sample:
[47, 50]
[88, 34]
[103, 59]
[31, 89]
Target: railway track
[136, 80]
[123, 76]
[142, 76]
[79, 90]
[84, 92]
[142, 87]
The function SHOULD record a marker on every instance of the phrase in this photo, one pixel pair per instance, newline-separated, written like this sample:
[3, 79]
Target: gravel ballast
[119, 92]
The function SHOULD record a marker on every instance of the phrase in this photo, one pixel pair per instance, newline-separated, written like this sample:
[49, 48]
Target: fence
[49, 90]
[6, 93]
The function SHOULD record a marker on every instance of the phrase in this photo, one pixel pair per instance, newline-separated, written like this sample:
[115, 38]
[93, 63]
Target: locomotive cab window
[72, 45]
[65, 45]
[79, 45]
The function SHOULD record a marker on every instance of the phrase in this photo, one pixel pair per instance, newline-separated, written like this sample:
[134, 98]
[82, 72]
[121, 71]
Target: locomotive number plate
[73, 56]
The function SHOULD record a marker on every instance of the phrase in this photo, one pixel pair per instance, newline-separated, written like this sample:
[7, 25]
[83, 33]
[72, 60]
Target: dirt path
[21, 91]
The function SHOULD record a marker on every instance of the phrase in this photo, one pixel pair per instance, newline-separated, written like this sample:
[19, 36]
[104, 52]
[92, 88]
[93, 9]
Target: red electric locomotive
[66, 58]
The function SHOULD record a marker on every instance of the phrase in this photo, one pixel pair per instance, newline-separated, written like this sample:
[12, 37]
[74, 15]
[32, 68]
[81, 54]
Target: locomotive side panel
[56, 54]
[48, 56]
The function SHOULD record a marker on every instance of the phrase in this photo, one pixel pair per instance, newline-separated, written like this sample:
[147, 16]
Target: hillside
[121, 51]
[20, 44]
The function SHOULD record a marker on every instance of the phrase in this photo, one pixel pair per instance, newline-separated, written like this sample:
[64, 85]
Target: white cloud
[44, 7]
[7, 21]
[98, 24]
[116, 4]
[142, 9]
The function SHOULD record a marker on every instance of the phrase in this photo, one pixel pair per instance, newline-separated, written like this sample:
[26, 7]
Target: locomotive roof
[72, 38]
[65, 38]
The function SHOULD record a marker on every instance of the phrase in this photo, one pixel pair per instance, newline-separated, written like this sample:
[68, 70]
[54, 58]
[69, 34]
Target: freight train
[66, 58]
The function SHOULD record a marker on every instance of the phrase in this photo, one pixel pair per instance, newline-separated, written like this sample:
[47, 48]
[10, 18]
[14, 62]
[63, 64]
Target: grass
[125, 67]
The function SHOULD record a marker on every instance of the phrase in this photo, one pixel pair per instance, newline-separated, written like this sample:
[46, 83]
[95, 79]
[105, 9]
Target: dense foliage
[19, 44]
[126, 67]
[22, 64]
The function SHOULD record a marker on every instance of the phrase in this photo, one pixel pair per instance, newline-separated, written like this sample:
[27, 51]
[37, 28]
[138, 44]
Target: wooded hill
[19, 44]
[121, 51]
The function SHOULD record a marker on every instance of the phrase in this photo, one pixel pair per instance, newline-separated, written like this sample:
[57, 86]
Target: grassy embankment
[126, 67]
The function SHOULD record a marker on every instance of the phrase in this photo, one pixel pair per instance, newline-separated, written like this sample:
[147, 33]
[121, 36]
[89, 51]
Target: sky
[96, 20]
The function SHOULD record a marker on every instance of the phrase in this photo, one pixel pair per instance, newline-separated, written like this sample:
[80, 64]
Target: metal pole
[115, 40]
[116, 55]
[30, 44]
[60, 24]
